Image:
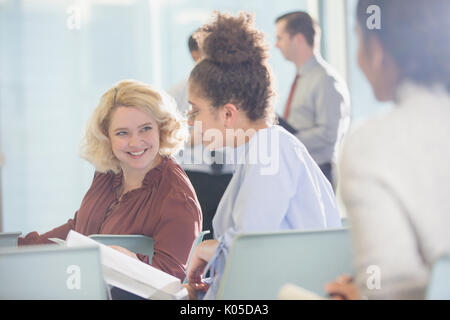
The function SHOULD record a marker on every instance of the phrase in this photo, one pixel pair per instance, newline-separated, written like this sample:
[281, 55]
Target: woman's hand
[193, 289]
[125, 251]
[343, 288]
[202, 255]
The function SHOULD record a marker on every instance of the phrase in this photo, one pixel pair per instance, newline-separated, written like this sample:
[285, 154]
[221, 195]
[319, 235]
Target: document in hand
[132, 275]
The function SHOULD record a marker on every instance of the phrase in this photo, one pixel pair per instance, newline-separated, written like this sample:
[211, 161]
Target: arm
[200, 258]
[175, 233]
[330, 107]
[60, 232]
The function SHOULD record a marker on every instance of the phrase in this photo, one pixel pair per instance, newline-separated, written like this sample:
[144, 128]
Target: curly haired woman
[277, 185]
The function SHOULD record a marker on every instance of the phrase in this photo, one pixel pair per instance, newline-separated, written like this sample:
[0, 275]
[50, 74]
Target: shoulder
[102, 183]
[177, 192]
[377, 145]
[174, 180]
[289, 144]
[418, 120]
[327, 76]
[172, 172]
[365, 134]
[277, 151]
[101, 178]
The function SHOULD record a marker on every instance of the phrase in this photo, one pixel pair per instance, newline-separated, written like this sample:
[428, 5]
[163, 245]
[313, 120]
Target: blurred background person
[318, 105]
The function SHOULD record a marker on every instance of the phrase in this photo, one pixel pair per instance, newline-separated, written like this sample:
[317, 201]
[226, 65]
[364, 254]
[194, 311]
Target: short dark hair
[235, 67]
[300, 22]
[192, 44]
[416, 33]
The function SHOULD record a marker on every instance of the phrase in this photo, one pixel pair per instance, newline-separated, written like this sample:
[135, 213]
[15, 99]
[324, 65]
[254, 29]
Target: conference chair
[51, 272]
[9, 239]
[197, 241]
[439, 285]
[259, 264]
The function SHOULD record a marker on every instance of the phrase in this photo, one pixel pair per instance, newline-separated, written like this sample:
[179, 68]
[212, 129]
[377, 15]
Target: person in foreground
[277, 185]
[137, 188]
[395, 169]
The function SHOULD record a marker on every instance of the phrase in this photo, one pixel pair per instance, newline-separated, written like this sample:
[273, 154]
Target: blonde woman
[137, 188]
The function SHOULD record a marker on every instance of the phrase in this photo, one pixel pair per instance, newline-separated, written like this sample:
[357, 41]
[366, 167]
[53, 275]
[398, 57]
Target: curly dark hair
[234, 67]
[416, 33]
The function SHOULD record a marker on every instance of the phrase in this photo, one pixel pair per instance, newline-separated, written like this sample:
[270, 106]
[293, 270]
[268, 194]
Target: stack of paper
[130, 274]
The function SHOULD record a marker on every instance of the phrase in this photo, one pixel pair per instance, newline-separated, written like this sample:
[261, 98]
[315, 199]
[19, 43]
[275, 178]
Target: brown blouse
[165, 208]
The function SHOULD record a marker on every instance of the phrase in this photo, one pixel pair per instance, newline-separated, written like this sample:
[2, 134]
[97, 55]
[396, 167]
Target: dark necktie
[287, 109]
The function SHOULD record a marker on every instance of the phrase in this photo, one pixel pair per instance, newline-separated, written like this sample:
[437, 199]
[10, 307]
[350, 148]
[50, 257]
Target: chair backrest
[259, 264]
[136, 243]
[9, 239]
[439, 284]
[51, 272]
[194, 245]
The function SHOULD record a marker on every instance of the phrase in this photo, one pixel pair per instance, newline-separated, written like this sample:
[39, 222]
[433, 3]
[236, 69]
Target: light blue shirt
[277, 186]
[320, 109]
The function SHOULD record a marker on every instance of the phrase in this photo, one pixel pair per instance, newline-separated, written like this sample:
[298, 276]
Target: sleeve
[330, 106]
[386, 255]
[180, 224]
[60, 232]
[264, 195]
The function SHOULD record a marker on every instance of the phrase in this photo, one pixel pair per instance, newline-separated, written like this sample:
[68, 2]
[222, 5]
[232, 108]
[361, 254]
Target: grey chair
[259, 264]
[136, 243]
[9, 239]
[51, 272]
[439, 284]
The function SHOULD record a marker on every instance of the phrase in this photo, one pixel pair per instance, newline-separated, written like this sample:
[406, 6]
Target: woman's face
[207, 122]
[134, 137]
[377, 66]
[363, 57]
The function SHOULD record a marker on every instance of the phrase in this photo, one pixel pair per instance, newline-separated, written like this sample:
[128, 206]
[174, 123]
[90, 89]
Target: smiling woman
[138, 188]
[157, 106]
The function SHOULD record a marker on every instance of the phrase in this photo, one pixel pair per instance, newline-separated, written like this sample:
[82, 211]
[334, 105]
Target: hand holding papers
[132, 275]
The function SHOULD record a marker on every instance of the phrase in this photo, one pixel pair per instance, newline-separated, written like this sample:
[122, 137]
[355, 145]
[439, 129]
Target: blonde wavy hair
[96, 146]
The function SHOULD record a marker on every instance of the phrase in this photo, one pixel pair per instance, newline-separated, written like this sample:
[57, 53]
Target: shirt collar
[308, 65]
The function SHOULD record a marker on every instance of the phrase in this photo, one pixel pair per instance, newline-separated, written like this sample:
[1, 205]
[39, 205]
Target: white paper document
[58, 241]
[130, 274]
